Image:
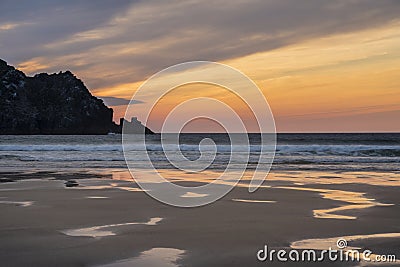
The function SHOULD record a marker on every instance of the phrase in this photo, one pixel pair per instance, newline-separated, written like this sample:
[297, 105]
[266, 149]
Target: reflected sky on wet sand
[99, 231]
[155, 257]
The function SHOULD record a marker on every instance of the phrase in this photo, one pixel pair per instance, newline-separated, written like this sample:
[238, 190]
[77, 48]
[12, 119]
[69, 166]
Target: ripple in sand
[253, 200]
[191, 194]
[90, 187]
[368, 178]
[103, 187]
[331, 242]
[329, 213]
[18, 203]
[97, 231]
[155, 257]
[354, 200]
[130, 189]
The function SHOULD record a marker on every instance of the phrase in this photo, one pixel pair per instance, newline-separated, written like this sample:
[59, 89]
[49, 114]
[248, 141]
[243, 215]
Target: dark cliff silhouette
[134, 126]
[51, 104]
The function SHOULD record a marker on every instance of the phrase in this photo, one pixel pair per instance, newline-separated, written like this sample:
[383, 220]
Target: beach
[108, 220]
[227, 232]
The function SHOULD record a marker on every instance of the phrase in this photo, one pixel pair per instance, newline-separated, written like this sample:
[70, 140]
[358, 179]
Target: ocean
[379, 152]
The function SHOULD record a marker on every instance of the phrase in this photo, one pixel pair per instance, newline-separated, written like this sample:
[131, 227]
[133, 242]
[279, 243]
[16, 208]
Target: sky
[323, 66]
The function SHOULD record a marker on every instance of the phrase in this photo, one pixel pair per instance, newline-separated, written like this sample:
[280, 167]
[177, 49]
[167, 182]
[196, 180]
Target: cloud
[8, 26]
[45, 21]
[117, 101]
[112, 42]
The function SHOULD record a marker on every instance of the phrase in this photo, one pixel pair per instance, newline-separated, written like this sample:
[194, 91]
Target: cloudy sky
[322, 65]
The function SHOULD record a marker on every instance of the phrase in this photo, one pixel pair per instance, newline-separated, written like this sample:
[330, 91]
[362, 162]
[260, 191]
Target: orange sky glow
[339, 83]
[344, 81]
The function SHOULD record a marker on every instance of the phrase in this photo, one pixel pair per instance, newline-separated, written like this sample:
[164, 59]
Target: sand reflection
[253, 200]
[331, 242]
[155, 257]
[100, 231]
[354, 200]
[192, 194]
[18, 203]
[315, 177]
[292, 177]
[95, 184]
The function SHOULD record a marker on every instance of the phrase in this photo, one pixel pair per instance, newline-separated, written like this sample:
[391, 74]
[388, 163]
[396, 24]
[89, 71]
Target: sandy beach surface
[108, 222]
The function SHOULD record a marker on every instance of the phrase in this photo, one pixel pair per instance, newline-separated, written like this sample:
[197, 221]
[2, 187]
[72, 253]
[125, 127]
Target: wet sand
[228, 232]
